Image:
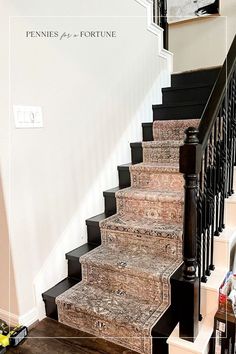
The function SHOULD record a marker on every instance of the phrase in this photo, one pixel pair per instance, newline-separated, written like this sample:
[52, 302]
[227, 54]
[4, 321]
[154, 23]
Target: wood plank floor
[64, 340]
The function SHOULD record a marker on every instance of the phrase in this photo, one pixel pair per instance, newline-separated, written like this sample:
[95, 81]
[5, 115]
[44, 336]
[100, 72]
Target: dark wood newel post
[190, 165]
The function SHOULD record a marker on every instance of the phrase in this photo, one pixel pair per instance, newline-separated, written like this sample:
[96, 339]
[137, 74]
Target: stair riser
[200, 94]
[136, 153]
[162, 211]
[223, 248]
[119, 281]
[184, 112]
[204, 77]
[148, 243]
[74, 269]
[110, 204]
[124, 177]
[94, 235]
[161, 154]
[147, 132]
[230, 212]
[51, 310]
[161, 181]
[96, 326]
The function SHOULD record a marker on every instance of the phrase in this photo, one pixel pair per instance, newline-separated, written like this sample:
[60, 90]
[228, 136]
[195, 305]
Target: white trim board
[27, 319]
[158, 31]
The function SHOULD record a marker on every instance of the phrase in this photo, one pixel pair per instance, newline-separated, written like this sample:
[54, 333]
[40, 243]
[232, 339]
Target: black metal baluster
[200, 225]
[223, 164]
[217, 180]
[211, 207]
[232, 129]
[199, 238]
[220, 171]
[213, 169]
[204, 233]
[230, 140]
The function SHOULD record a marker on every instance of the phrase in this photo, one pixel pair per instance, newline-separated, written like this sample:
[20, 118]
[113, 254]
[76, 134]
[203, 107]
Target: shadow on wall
[8, 296]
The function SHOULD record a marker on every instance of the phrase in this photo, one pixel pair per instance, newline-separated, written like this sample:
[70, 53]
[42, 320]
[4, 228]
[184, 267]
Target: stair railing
[207, 161]
[160, 18]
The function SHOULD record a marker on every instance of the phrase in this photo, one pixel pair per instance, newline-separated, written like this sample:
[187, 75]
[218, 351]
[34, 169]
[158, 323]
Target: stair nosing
[191, 86]
[178, 104]
[77, 258]
[50, 297]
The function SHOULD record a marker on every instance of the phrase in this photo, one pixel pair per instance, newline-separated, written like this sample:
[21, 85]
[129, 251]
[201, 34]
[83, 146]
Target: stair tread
[135, 223]
[136, 144]
[59, 288]
[151, 195]
[163, 143]
[179, 104]
[139, 263]
[199, 70]
[187, 87]
[96, 219]
[156, 167]
[80, 251]
[111, 191]
[109, 306]
[124, 166]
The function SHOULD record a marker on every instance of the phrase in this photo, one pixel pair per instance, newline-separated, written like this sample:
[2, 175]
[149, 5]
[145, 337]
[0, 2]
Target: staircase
[123, 289]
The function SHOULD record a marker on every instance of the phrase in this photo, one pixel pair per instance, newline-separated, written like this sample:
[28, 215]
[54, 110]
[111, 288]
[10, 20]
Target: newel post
[190, 165]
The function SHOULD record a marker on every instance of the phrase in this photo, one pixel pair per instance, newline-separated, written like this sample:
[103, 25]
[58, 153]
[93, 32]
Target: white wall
[94, 94]
[203, 42]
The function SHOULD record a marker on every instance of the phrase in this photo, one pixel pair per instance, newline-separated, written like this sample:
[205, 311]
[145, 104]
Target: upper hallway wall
[203, 42]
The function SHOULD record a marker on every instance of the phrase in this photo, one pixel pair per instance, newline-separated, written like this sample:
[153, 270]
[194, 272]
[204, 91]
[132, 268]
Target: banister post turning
[190, 166]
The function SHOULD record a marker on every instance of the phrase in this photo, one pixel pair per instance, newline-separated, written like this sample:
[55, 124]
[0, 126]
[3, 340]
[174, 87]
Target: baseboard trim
[28, 319]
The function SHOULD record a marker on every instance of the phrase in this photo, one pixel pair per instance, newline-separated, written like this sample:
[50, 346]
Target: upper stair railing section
[207, 161]
[160, 18]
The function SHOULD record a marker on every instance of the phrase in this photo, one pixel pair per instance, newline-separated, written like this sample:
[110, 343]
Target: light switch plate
[28, 116]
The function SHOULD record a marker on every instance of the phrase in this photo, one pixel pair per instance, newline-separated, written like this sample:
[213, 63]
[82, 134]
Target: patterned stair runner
[125, 287]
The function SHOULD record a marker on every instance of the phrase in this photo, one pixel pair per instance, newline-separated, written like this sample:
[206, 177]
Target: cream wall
[203, 42]
[94, 95]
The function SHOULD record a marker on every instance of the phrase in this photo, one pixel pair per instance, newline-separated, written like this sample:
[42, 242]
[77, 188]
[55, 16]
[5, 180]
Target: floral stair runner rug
[125, 287]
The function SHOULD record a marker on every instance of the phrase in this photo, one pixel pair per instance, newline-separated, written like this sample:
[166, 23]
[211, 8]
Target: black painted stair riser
[204, 77]
[73, 258]
[147, 131]
[110, 201]
[136, 153]
[178, 111]
[188, 94]
[124, 176]
[93, 230]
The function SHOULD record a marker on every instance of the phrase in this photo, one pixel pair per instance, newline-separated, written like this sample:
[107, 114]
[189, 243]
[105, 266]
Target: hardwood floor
[51, 337]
